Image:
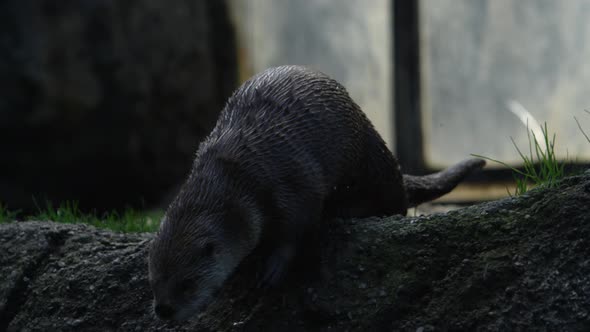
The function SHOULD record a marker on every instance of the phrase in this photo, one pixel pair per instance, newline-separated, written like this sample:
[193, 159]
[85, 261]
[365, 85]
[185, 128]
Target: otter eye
[185, 285]
[208, 249]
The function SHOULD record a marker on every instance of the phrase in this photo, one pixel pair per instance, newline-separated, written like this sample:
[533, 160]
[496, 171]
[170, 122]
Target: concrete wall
[478, 55]
[347, 39]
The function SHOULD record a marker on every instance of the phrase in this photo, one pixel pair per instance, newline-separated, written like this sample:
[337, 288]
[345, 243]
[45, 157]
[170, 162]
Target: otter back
[298, 133]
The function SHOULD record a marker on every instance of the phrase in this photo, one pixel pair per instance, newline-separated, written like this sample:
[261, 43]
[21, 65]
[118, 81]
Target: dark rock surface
[511, 265]
[105, 102]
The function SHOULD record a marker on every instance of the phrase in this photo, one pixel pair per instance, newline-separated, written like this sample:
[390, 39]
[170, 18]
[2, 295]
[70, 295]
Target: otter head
[188, 263]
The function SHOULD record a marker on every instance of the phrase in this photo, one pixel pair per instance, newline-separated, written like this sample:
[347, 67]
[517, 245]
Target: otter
[289, 149]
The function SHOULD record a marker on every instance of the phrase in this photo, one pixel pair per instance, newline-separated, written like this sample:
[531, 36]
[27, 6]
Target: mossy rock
[516, 264]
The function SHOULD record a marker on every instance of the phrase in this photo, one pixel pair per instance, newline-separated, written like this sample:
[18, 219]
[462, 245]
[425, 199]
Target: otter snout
[164, 311]
[170, 312]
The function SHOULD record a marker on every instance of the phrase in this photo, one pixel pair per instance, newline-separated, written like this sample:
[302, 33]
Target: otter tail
[422, 189]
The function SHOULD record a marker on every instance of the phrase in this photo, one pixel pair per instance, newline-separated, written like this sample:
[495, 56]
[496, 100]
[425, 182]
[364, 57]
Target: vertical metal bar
[406, 50]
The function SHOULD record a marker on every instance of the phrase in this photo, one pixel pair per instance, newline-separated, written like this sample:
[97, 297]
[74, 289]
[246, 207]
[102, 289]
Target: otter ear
[233, 221]
[233, 212]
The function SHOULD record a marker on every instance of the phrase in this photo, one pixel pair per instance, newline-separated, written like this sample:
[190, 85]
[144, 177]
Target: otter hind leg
[373, 189]
[384, 183]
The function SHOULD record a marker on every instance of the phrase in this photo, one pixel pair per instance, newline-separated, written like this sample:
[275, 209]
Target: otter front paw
[277, 265]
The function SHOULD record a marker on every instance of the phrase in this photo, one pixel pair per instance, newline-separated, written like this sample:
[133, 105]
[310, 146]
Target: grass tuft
[129, 221]
[7, 215]
[540, 166]
[580, 127]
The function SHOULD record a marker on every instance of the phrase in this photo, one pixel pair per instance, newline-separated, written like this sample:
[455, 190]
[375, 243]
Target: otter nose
[164, 311]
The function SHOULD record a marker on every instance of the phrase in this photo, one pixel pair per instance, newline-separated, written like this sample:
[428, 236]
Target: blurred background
[105, 102]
